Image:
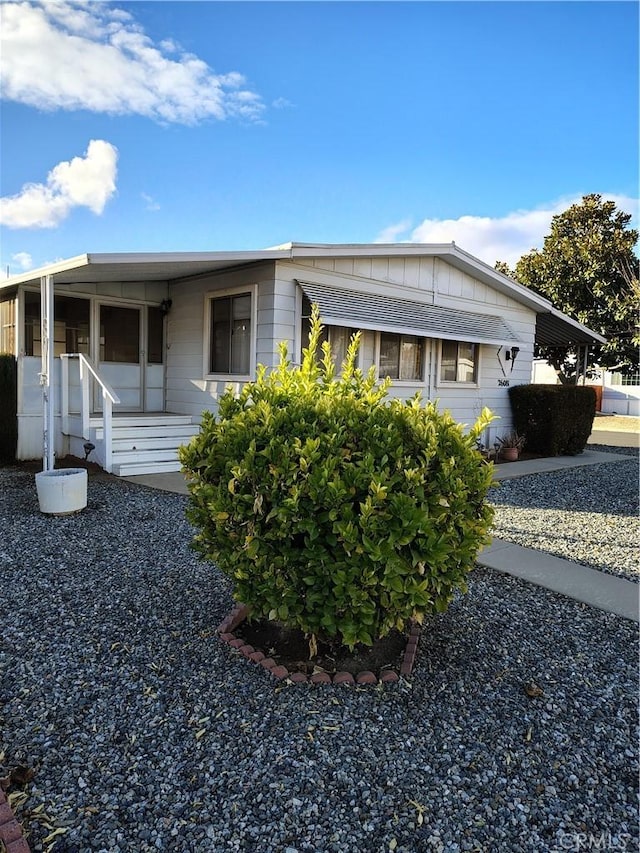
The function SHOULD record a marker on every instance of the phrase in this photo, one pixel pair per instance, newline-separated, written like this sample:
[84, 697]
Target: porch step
[147, 420]
[129, 469]
[145, 444]
[181, 433]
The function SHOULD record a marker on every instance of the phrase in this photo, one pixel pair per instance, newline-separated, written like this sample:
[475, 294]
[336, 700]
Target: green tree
[587, 268]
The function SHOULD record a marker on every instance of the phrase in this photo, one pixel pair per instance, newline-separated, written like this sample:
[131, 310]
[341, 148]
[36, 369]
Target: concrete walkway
[597, 589]
[510, 470]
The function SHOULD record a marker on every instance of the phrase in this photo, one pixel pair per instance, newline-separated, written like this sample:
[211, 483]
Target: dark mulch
[94, 470]
[289, 647]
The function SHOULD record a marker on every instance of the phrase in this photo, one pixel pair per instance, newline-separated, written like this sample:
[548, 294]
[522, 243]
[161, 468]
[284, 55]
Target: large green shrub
[334, 510]
[8, 407]
[555, 419]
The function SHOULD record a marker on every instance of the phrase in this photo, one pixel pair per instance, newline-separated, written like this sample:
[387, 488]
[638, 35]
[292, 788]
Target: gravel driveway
[146, 733]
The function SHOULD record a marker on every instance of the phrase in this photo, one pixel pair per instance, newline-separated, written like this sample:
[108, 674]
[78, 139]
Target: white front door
[120, 356]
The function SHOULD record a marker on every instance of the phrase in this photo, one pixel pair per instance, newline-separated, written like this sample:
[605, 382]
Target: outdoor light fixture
[512, 354]
[88, 447]
[507, 356]
[165, 306]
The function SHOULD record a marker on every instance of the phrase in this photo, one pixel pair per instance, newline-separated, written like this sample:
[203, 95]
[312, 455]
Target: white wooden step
[161, 431]
[129, 469]
[142, 442]
[159, 419]
[169, 454]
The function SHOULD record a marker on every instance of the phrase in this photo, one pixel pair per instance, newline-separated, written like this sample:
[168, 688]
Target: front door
[120, 357]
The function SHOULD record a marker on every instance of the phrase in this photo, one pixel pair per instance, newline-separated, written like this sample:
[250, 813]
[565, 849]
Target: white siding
[188, 389]
[136, 291]
[415, 273]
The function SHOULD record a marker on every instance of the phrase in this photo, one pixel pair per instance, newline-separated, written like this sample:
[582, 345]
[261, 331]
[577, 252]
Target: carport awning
[341, 307]
[554, 329]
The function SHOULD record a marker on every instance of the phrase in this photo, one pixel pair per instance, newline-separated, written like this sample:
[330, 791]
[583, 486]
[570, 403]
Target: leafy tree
[587, 268]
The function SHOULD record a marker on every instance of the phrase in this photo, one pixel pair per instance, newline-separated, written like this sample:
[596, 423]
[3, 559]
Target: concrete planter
[62, 491]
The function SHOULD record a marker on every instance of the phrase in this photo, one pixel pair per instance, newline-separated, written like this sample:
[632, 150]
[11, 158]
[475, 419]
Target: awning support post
[46, 371]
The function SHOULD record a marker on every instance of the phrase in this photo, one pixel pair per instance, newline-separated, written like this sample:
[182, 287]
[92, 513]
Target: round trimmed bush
[331, 508]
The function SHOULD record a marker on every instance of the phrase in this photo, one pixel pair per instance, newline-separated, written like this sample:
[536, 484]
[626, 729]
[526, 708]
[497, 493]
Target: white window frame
[252, 290]
[403, 383]
[456, 383]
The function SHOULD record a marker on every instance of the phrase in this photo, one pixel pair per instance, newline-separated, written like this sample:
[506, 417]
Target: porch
[124, 443]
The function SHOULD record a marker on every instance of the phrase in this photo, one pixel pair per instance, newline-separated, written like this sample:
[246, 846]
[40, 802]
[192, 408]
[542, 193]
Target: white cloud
[282, 104]
[501, 238]
[150, 202]
[88, 181]
[74, 55]
[392, 233]
[23, 260]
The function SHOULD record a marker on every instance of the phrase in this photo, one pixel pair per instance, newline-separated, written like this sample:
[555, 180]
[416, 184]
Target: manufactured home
[125, 351]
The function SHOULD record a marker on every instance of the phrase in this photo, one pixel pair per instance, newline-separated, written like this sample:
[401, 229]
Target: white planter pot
[62, 491]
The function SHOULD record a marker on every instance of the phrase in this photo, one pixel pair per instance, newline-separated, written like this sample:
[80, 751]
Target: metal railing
[88, 375]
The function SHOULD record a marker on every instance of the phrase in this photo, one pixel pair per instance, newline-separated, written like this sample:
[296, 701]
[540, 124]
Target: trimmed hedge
[332, 509]
[8, 407]
[555, 419]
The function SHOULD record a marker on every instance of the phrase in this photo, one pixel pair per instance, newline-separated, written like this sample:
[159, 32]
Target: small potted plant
[510, 446]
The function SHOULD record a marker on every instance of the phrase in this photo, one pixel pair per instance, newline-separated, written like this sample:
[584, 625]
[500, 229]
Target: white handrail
[89, 371]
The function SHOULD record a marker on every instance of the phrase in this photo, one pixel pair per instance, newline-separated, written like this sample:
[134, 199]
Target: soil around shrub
[290, 648]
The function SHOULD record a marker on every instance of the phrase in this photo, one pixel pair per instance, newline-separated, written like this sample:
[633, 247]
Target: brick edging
[240, 612]
[10, 829]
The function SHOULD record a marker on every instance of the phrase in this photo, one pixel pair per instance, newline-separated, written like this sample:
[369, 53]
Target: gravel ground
[146, 733]
[587, 515]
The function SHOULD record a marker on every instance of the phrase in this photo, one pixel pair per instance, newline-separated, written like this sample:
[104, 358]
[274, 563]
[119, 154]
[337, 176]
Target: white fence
[621, 399]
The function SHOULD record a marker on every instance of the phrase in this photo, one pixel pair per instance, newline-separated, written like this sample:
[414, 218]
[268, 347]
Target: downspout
[46, 371]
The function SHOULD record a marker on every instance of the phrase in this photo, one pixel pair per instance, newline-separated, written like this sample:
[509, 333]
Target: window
[230, 334]
[401, 357]
[70, 328]
[8, 326]
[339, 337]
[459, 362]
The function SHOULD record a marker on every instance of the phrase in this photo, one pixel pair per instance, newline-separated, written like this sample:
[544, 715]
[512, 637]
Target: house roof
[553, 328]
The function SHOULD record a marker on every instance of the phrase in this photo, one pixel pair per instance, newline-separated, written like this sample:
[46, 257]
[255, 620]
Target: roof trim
[93, 262]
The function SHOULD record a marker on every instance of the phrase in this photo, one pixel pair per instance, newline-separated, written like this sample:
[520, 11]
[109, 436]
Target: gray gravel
[147, 733]
[587, 515]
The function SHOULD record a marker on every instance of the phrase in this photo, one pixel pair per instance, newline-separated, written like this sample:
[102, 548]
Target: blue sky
[203, 126]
